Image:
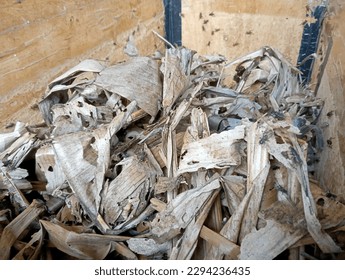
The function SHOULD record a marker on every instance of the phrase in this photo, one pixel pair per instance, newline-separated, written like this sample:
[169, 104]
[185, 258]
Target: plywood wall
[234, 28]
[41, 39]
[331, 169]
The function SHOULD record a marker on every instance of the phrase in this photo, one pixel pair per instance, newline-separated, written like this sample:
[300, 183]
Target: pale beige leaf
[147, 247]
[234, 190]
[181, 211]
[270, 241]
[216, 151]
[78, 160]
[257, 162]
[137, 79]
[176, 69]
[190, 236]
[6, 139]
[124, 197]
[293, 158]
[48, 168]
[88, 65]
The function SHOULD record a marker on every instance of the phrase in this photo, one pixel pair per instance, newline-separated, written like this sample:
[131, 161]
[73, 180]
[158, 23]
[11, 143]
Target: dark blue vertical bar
[309, 44]
[173, 21]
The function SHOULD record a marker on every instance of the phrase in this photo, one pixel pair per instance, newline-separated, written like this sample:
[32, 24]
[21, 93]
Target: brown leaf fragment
[136, 221]
[14, 229]
[87, 65]
[103, 141]
[171, 153]
[285, 225]
[220, 245]
[183, 107]
[244, 108]
[199, 127]
[152, 160]
[165, 184]
[330, 211]
[214, 221]
[232, 228]
[87, 246]
[73, 116]
[34, 251]
[71, 212]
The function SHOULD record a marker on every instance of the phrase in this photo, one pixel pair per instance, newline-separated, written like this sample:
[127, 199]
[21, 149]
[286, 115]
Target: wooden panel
[330, 171]
[234, 28]
[41, 39]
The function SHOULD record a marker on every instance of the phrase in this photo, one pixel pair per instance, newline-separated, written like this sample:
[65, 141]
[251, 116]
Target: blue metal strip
[173, 25]
[309, 44]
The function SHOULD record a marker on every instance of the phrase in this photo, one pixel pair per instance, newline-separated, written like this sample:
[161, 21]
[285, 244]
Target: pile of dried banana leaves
[180, 156]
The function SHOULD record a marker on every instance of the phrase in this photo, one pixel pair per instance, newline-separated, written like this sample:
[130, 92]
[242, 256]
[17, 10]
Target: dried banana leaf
[186, 245]
[176, 71]
[30, 251]
[216, 151]
[181, 211]
[147, 246]
[14, 229]
[48, 168]
[57, 90]
[20, 201]
[6, 139]
[293, 158]
[137, 79]
[257, 162]
[270, 241]
[86, 245]
[124, 198]
[176, 154]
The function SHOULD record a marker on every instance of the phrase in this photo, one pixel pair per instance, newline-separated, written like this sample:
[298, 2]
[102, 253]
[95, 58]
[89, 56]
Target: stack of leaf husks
[175, 157]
